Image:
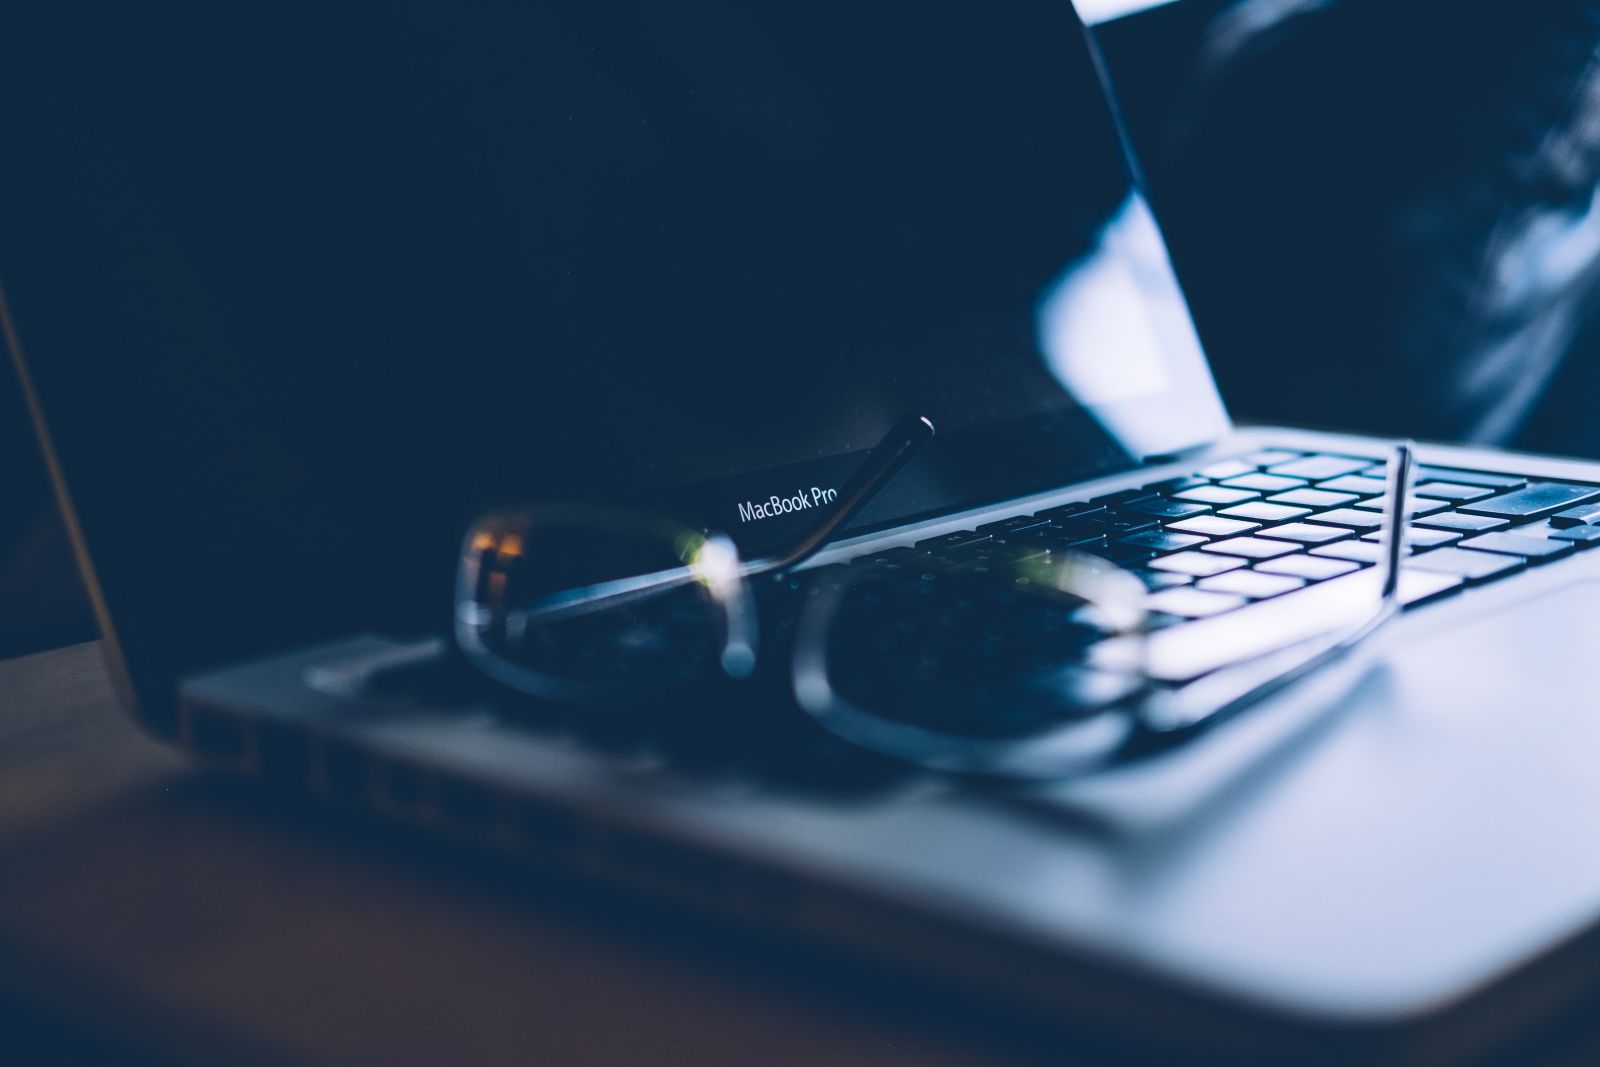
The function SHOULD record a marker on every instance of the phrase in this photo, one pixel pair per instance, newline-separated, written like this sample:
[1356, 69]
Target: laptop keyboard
[1235, 535]
[1276, 521]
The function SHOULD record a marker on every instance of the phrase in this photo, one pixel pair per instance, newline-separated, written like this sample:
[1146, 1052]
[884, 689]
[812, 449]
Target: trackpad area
[1518, 675]
[1413, 828]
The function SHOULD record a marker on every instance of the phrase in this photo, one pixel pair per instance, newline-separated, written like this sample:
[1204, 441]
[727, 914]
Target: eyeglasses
[578, 604]
[1027, 665]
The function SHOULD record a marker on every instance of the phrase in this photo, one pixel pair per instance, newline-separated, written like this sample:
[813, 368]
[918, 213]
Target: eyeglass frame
[1148, 720]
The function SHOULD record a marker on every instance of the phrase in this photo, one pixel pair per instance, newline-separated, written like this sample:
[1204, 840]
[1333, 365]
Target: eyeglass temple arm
[1235, 688]
[900, 446]
[1396, 519]
[1395, 543]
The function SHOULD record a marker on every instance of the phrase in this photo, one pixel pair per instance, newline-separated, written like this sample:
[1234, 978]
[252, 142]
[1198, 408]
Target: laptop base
[1390, 860]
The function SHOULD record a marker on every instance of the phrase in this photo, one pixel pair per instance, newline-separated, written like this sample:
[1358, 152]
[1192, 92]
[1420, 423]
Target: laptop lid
[301, 287]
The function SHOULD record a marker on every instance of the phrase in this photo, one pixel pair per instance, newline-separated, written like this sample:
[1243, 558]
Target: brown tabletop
[177, 915]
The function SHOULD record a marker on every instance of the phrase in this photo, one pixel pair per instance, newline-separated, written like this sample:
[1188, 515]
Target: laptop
[298, 290]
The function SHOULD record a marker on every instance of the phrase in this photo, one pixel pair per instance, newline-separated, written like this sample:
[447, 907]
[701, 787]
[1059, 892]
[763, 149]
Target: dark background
[1380, 211]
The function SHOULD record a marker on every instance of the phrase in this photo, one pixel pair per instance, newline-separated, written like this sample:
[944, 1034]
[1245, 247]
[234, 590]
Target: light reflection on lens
[979, 673]
[586, 606]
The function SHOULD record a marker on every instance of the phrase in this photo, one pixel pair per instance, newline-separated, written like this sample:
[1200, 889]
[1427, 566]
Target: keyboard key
[1491, 481]
[1120, 552]
[903, 569]
[1250, 584]
[1316, 468]
[1067, 511]
[1533, 549]
[1354, 551]
[1306, 533]
[1015, 524]
[983, 553]
[1313, 498]
[1192, 603]
[1164, 509]
[1420, 538]
[1350, 517]
[1581, 536]
[1534, 502]
[1214, 526]
[1464, 523]
[1416, 506]
[1215, 494]
[1266, 483]
[1112, 524]
[1051, 538]
[1189, 651]
[1582, 515]
[1453, 491]
[970, 550]
[1154, 580]
[1542, 528]
[1269, 457]
[904, 552]
[1229, 468]
[951, 540]
[1419, 587]
[1376, 538]
[1312, 568]
[999, 569]
[1117, 497]
[1197, 564]
[1258, 511]
[1163, 540]
[1251, 547]
[1472, 567]
[1355, 484]
[1172, 485]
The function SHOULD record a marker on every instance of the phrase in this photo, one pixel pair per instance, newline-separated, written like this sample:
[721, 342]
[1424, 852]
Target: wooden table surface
[174, 915]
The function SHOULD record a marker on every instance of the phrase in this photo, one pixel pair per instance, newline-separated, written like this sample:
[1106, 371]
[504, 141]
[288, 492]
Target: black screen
[304, 286]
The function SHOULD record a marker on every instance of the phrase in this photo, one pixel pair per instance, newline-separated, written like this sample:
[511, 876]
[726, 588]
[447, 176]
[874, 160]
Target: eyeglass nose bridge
[513, 592]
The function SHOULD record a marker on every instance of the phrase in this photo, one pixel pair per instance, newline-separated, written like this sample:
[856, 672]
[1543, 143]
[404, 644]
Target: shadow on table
[202, 914]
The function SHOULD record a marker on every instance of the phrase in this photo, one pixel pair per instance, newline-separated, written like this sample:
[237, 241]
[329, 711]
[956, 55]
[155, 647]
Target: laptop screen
[304, 286]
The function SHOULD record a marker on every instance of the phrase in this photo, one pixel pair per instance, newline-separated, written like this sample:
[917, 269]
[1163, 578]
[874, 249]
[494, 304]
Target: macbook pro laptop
[300, 289]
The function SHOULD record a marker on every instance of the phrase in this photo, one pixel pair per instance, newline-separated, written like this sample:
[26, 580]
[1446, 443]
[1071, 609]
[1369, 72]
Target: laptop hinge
[1158, 458]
